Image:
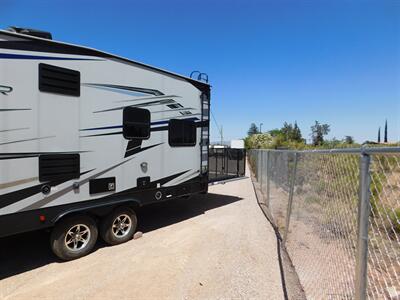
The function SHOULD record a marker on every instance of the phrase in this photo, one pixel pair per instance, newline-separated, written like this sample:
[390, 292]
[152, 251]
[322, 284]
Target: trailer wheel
[119, 226]
[74, 237]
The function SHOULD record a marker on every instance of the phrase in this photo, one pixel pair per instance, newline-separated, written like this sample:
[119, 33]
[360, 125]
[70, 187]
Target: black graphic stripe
[133, 144]
[145, 104]
[148, 98]
[136, 149]
[39, 57]
[13, 197]
[101, 134]
[169, 178]
[160, 128]
[27, 140]
[172, 110]
[101, 128]
[17, 155]
[184, 179]
[127, 88]
[13, 109]
[40, 153]
[14, 129]
[163, 128]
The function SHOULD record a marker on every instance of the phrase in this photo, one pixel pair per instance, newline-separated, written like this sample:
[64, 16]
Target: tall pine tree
[379, 135]
[385, 138]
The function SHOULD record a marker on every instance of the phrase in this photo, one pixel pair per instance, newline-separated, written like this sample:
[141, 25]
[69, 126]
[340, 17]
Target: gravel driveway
[209, 246]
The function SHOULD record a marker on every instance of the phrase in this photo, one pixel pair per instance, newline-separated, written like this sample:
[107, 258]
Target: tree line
[290, 136]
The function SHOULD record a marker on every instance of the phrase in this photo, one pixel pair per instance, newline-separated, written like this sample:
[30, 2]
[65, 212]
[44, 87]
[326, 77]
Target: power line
[216, 124]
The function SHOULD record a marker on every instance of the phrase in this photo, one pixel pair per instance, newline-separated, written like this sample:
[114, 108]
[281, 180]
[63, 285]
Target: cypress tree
[379, 135]
[385, 138]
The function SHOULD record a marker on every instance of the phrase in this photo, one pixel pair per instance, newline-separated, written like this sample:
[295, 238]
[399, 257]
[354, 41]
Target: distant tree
[318, 131]
[297, 133]
[349, 139]
[333, 143]
[275, 132]
[287, 131]
[385, 140]
[252, 130]
[379, 135]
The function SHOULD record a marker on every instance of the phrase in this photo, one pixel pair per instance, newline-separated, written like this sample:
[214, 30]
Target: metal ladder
[205, 133]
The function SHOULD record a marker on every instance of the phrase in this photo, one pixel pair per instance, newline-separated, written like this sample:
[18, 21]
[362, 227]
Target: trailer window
[136, 123]
[181, 133]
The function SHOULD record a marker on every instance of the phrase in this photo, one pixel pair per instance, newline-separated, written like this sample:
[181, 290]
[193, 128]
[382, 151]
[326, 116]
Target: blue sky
[268, 61]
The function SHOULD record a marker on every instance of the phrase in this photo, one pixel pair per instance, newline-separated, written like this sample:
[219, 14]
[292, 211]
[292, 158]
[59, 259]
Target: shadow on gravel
[159, 215]
[28, 251]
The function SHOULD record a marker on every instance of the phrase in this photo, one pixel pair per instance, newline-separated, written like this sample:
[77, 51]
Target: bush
[394, 217]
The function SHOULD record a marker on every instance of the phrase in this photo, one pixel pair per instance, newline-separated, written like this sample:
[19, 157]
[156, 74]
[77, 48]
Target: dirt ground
[292, 285]
[211, 246]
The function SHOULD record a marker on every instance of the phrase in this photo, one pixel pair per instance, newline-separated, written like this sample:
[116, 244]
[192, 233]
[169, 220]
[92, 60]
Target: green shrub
[394, 217]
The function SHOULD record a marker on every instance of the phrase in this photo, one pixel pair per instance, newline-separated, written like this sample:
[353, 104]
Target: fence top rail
[362, 150]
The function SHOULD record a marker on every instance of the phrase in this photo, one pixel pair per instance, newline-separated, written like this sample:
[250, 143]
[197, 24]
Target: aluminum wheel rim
[77, 237]
[121, 225]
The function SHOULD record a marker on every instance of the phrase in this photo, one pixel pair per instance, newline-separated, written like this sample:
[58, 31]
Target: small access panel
[102, 185]
[143, 182]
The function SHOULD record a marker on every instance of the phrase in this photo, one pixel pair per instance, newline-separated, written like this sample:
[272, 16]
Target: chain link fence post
[364, 210]
[290, 201]
[262, 169]
[258, 165]
[255, 154]
[268, 175]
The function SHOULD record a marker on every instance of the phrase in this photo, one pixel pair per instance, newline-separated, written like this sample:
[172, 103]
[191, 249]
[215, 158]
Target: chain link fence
[339, 214]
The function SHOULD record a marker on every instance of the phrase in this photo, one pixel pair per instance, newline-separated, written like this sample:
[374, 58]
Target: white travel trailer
[87, 137]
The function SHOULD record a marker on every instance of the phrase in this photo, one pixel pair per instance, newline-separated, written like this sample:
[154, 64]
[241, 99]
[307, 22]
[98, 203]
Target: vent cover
[59, 166]
[59, 80]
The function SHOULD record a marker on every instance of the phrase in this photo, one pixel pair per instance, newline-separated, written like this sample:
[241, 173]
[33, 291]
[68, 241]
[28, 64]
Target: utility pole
[261, 124]
[222, 134]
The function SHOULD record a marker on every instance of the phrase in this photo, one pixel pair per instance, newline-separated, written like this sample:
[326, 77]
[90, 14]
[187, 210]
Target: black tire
[117, 234]
[62, 240]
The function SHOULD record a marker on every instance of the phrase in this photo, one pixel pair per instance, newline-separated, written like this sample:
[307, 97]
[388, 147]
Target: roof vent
[30, 31]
